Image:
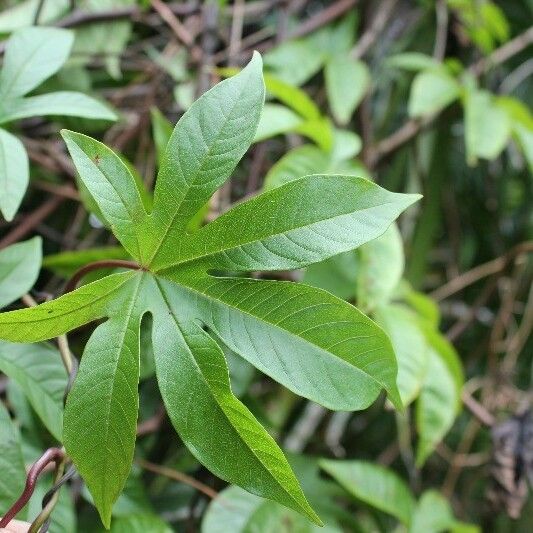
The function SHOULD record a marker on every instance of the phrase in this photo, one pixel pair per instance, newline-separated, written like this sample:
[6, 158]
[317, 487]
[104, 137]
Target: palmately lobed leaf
[307, 339]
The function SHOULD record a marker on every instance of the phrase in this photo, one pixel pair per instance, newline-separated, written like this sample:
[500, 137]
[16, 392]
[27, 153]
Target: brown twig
[32, 220]
[477, 409]
[72, 283]
[481, 271]
[177, 476]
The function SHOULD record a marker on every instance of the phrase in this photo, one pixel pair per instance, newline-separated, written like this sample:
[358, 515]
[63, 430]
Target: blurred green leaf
[20, 264]
[431, 91]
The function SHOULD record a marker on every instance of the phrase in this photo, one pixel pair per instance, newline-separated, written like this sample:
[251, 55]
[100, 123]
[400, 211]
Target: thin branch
[477, 409]
[481, 271]
[177, 476]
[441, 10]
[379, 21]
[72, 283]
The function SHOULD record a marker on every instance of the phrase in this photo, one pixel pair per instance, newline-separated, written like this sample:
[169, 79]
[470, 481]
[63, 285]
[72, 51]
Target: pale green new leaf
[65, 103]
[410, 347]
[487, 126]
[38, 370]
[347, 81]
[381, 263]
[431, 91]
[440, 397]
[432, 514]
[186, 353]
[374, 485]
[19, 267]
[32, 56]
[14, 174]
[12, 465]
[275, 120]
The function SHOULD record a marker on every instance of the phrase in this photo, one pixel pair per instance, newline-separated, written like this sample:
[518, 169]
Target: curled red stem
[50, 455]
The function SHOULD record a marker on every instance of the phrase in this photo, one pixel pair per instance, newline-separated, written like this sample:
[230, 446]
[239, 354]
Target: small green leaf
[14, 174]
[186, 353]
[38, 370]
[275, 120]
[140, 523]
[66, 263]
[440, 396]
[162, 130]
[381, 263]
[347, 81]
[409, 345]
[65, 103]
[32, 56]
[19, 267]
[432, 90]
[432, 514]
[487, 126]
[12, 466]
[413, 61]
[374, 485]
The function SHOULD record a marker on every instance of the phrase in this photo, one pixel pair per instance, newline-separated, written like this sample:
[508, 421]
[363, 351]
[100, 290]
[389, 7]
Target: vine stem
[56, 455]
[72, 283]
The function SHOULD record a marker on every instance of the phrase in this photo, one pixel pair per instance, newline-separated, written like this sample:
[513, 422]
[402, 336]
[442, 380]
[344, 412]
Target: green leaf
[299, 223]
[101, 440]
[241, 512]
[275, 120]
[433, 514]
[162, 131]
[347, 81]
[32, 56]
[22, 14]
[487, 126]
[14, 174]
[337, 275]
[338, 358]
[412, 61]
[292, 97]
[66, 103]
[11, 462]
[294, 61]
[53, 318]
[409, 345]
[381, 263]
[38, 370]
[66, 263]
[112, 186]
[185, 352]
[440, 396]
[432, 90]
[19, 268]
[374, 485]
[204, 149]
[140, 523]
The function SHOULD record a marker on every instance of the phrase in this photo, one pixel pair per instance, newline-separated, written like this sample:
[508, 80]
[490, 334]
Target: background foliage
[421, 97]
